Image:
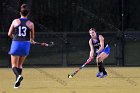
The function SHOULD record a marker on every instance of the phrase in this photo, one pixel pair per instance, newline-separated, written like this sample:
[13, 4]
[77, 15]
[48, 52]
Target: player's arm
[101, 38]
[91, 55]
[11, 29]
[32, 33]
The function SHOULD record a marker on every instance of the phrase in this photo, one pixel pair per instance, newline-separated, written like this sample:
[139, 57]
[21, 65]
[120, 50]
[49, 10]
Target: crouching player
[101, 49]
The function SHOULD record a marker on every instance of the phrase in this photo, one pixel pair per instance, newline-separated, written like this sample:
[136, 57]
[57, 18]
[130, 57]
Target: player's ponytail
[24, 9]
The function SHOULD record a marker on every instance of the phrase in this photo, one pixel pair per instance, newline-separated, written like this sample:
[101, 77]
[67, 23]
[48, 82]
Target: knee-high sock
[20, 71]
[101, 68]
[15, 70]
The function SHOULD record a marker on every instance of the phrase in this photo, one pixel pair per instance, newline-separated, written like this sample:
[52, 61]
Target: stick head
[51, 44]
[69, 76]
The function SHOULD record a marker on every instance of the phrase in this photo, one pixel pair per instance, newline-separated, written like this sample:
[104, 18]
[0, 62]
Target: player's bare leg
[102, 72]
[17, 62]
[19, 68]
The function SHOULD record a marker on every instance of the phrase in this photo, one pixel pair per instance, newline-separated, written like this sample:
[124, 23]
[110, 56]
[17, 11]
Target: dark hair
[24, 9]
[92, 29]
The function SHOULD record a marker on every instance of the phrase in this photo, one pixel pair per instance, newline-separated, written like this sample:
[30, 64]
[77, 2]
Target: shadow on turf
[128, 79]
[57, 79]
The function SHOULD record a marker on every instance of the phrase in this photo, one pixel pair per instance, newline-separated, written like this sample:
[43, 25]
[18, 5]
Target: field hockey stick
[75, 72]
[97, 61]
[45, 44]
[96, 54]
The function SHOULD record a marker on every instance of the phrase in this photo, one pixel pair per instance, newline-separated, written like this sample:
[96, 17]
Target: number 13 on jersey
[22, 30]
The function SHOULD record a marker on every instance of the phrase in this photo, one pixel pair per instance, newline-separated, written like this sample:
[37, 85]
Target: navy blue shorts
[20, 48]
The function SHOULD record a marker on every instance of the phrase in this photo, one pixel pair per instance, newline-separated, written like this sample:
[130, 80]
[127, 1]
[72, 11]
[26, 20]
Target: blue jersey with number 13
[22, 31]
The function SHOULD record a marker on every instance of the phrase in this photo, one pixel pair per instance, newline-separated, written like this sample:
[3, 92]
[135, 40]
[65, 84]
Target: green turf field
[54, 80]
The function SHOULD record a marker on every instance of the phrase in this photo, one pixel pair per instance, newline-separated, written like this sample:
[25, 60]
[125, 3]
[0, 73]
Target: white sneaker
[16, 87]
[18, 81]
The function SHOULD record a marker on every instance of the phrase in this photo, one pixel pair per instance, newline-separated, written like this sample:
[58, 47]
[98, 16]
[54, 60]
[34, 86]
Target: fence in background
[66, 23]
[72, 49]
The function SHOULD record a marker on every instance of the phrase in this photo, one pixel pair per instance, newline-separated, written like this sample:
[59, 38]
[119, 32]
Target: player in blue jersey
[22, 33]
[99, 48]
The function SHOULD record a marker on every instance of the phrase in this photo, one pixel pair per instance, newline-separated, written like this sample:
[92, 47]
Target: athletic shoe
[18, 81]
[103, 75]
[16, 87]
[99, 74]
